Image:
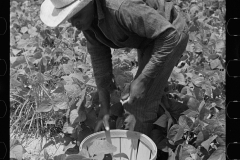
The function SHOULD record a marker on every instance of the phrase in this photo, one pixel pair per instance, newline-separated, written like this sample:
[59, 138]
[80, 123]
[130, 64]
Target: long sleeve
[137, 17]
[162, 49]
[101, 60]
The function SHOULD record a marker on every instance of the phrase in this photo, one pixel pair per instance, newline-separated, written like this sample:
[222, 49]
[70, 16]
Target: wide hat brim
[53, 17]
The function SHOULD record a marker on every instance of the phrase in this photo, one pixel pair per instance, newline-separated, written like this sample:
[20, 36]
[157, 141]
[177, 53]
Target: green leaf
[80, 50]
[17, 152]
[91, 118]
[79, 76]
[37, 55]
[83, 66]
[59, 89]
[190, 47]
[33, 31]
[12, 40]
[15, 83]
[49, 143]
[220, 131]
[134, 71]
[200, 138]
[24, 29]
[101, 146]
[185, 122]
[171, 154]
[70, 145]
[62, 105]
[17, 61]
[25, 36]
[179, 77]
[219, 154]
[187, 152]
[91, 82]
[15, 51]
[77, 116]
[73, 116]
[190, 113]
[46, 155]
[68, 68]
[60, 157]
[186, 91]
[68, 79]
[213, 56]
[83, 133]
[13, 59]
[220, 45]
[40, 77]
[193, 103]
[162, 121]
[175, 133]
[22, 43]
[201, 106]
[178, 152]
[44, 107]
[199, 93]
[204, 113]
[215, 63]
[50, 122]
[69, 53]
[82, 116]
[208, 89]
[194, 9]
[14, 142]
[220, 141]
[84, 153]
[207, 143]
[67, 128]
[198, 81]
[72, 89]
[73, 150]
[179, 135]
[83, 93]
[121, 79]
[221, 117]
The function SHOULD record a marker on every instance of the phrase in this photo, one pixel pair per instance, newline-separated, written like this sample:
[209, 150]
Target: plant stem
[45, 91]
[28, 65]
[31, 122]
[27, 117]
[16, 101]
[19, 117]
[12, 94]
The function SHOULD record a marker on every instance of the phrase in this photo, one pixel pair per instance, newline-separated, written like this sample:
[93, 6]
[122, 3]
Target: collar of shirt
[100, 14]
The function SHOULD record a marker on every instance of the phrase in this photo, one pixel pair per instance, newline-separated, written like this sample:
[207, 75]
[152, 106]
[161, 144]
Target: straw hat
[55, 12]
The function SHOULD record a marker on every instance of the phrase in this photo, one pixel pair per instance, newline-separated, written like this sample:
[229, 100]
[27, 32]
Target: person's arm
[102, 68]
[145, 21]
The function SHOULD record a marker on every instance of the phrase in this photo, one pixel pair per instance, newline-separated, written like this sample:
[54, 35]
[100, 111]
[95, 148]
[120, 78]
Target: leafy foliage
[53, 92]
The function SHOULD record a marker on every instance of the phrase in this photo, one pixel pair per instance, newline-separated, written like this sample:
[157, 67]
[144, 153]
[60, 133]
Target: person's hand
[130, 122]
[102, 121]
[103, 115]
[138, 88]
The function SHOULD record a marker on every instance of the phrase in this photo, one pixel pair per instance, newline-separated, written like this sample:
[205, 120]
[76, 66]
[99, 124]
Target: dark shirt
[124, 23]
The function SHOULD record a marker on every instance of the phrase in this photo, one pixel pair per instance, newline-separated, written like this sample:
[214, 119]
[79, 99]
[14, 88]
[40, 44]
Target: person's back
[118, 23]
